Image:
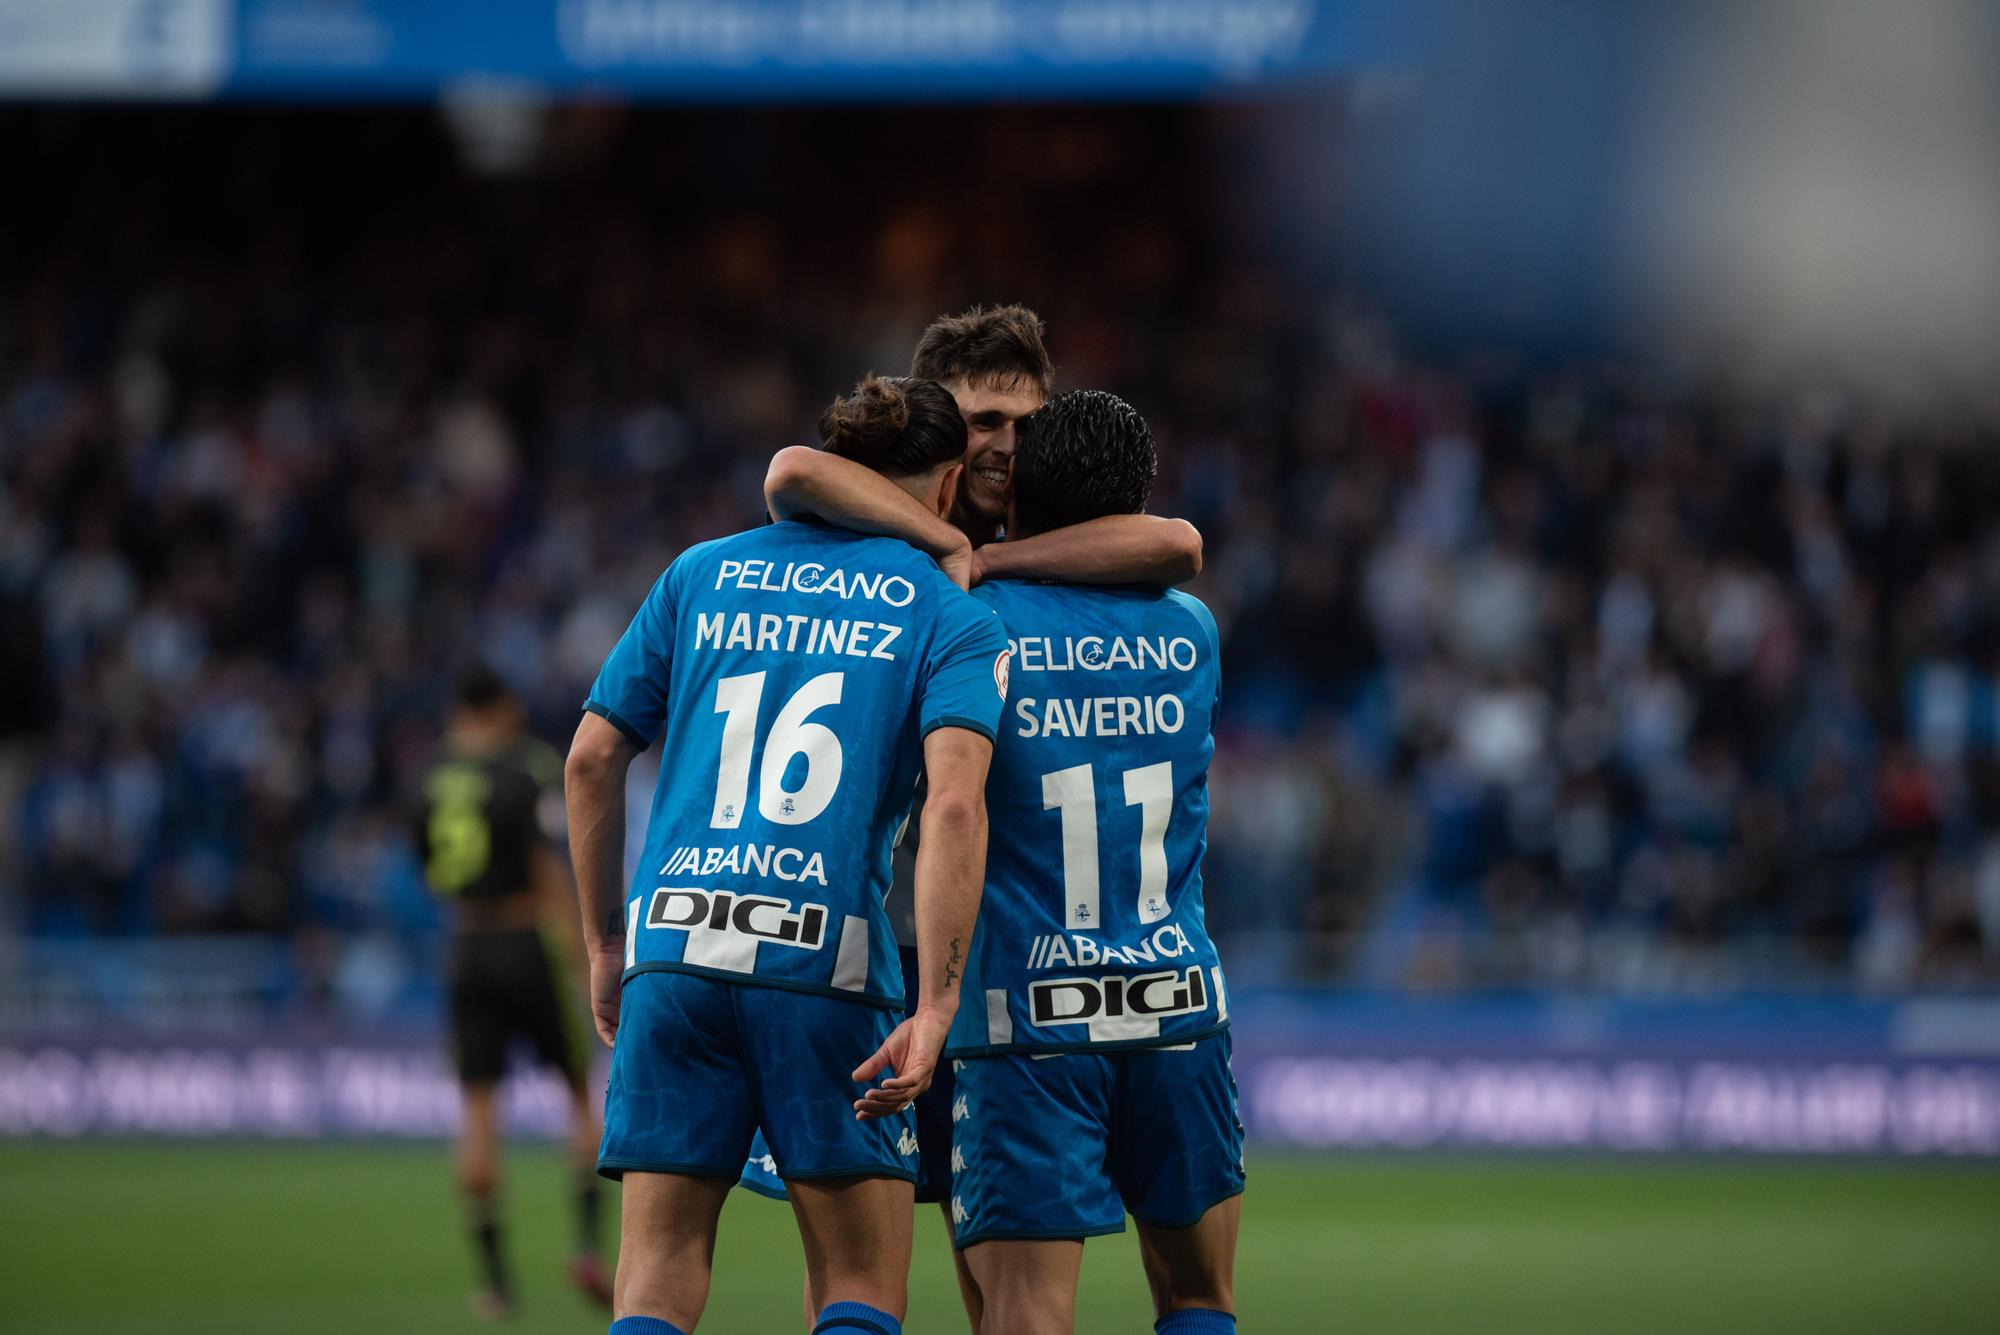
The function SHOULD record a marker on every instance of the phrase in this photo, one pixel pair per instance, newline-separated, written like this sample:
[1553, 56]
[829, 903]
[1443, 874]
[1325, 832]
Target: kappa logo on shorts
[959, 1214]
[959, 1112]
[761, 916]
[906, 1144]
[958, 1159]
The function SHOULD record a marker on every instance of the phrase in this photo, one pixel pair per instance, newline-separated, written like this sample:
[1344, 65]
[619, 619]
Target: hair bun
[866, 425]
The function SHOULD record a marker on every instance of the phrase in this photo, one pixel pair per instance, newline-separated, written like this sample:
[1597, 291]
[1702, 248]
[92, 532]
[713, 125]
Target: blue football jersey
[1090, 934]
[795, 670]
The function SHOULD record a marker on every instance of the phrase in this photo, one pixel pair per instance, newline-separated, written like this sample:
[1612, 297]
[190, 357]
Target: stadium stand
[1539, 672]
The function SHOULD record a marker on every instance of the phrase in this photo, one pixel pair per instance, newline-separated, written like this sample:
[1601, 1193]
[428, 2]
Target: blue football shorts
[933, 1113]
[1063, 1146]
[701, 1064]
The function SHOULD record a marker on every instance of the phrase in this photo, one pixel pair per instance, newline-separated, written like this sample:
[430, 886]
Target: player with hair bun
[797, 675]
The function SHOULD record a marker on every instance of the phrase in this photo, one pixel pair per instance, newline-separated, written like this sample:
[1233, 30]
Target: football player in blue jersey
[1092, 1048]
[996, 364]
[799, 674]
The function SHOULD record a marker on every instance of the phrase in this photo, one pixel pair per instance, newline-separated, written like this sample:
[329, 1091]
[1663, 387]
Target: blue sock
[856, 1319]
[644, 1325]
[1196, 1321]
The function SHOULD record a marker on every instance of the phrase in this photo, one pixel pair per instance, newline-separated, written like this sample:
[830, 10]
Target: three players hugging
[892, 937]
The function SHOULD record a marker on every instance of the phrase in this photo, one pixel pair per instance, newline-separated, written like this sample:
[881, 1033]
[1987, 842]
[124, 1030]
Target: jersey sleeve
[965, 680]
[631, 689]
[1204, 618]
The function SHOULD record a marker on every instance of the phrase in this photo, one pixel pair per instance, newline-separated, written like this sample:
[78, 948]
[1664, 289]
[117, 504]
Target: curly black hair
[1080, 456]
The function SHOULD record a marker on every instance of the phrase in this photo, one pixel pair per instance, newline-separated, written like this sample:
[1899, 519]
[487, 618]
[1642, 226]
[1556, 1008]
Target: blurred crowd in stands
[1539, 672]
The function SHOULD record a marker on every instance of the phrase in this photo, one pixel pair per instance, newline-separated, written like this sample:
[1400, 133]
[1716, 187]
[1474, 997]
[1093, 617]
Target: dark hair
[1081, 455]
[1001, 346]
[480, 687]
[895, 425]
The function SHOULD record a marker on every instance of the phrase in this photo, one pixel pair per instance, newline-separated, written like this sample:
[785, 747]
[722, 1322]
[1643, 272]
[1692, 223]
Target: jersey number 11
[1073, 791]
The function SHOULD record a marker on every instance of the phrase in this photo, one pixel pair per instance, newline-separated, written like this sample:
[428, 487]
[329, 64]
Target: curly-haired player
[1092, 1048]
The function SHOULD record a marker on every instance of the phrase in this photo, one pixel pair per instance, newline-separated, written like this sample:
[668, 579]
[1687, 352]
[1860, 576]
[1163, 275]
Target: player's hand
[607, 972]
[979, 565]
[911, 1052]
[959, 564]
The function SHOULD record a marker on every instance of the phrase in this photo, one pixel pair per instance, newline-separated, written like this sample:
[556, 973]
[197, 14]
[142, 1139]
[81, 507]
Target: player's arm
[805, 481]
[1114, 549]
[594, 789]
[951, 871]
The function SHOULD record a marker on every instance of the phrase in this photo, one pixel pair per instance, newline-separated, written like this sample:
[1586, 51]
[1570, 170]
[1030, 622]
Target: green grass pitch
[365, 1240]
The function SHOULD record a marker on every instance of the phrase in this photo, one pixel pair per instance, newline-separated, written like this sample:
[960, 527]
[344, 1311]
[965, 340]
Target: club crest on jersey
[1143, 996]
[761, 916]
[1000, 665]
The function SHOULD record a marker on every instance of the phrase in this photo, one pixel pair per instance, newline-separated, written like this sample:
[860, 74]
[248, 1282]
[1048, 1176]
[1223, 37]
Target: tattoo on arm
[951, 964]
[614, 925]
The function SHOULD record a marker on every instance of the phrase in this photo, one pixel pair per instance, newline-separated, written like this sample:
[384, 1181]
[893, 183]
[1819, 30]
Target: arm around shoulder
[1116, 549]
[803, 481]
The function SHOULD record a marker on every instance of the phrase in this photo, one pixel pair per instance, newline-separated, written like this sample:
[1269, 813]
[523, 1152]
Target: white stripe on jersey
[714, 949]
[999, 1024]
[850, 963]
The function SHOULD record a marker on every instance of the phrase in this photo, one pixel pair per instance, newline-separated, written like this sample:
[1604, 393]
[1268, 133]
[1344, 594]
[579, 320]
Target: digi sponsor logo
[906, 1144]
[758, 916]
[1145, 996]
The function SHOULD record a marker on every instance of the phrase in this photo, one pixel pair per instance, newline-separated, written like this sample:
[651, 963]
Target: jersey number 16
[737, 699]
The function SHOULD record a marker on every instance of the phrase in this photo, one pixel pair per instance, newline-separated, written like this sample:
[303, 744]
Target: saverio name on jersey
[786, 864]
[1100, 716]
